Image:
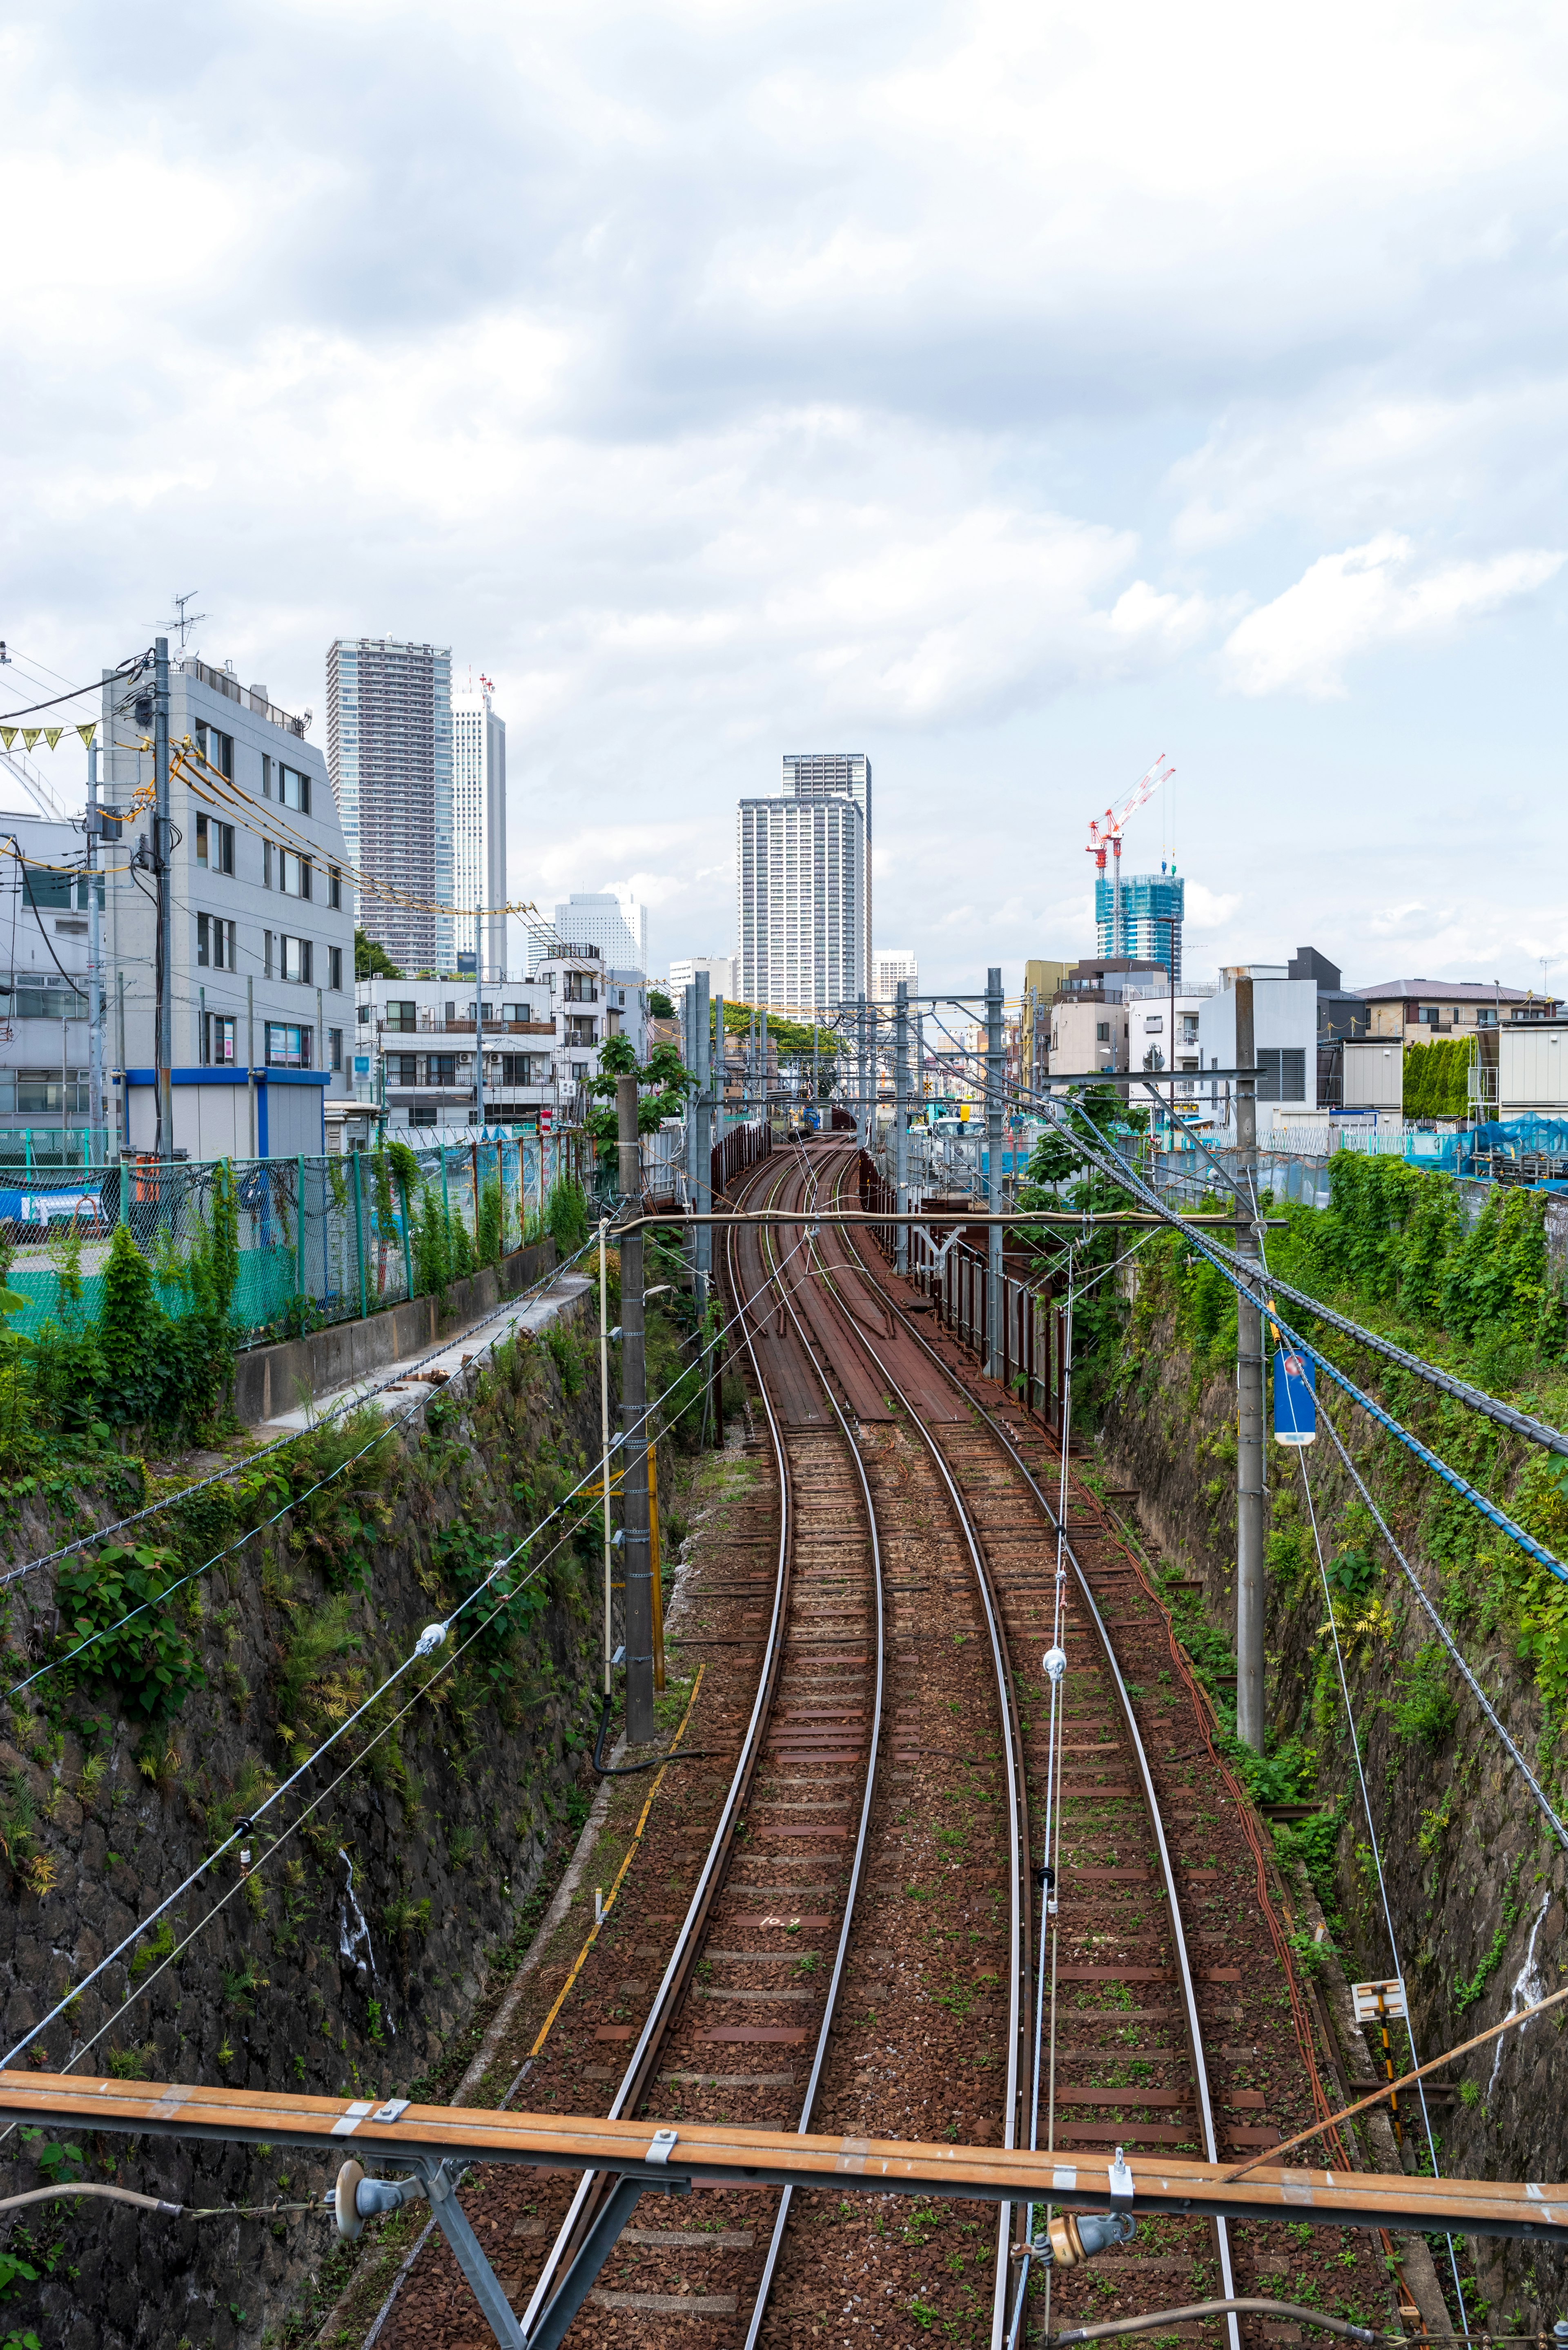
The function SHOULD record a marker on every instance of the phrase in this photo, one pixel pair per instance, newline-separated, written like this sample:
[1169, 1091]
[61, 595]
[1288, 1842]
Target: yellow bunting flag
[29, 736]
[52, 735]
[88, 732]
[7, 736]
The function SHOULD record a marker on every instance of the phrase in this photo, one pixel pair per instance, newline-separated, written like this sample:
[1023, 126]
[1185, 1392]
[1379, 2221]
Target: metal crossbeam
[708, 2155]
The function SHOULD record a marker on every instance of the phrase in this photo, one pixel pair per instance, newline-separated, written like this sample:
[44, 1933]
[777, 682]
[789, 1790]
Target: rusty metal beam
[713, 2155]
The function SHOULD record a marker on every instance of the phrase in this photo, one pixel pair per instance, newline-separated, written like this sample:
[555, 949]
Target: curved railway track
[863, 1894]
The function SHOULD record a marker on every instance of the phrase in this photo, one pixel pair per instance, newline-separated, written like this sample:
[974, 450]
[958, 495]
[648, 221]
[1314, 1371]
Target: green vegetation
[1437, 1078]
[784, 1036]
[663, 1081]
[371, 959]
[660, 1006]
[150, 1664]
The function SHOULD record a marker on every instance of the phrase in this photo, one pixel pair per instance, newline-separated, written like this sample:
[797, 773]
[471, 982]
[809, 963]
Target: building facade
[1152, 910]
[1419, 1009]
[721, 971]
[45, 999]
[479, 833]
[390, 756]
[415, 1040]
[1285, 1040]
[801, 867]
[888, 966]
[617, 927]
[812, 776]
[262, 976]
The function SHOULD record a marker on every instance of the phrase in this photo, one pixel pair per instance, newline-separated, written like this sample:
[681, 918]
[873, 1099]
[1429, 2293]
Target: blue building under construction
[1151, 914]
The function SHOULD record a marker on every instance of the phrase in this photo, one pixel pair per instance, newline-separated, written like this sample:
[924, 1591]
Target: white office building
[478, 831]
[262, 976]
[617, 927]
[888, 966]
[721, 971]
[803, 888]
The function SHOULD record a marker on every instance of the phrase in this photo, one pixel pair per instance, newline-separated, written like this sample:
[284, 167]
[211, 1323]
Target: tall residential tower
[1153, 905]
[803, 874]
[479, 828]
[390, 756]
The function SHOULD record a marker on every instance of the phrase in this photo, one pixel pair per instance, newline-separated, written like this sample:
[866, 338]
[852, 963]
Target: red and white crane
[1106, 833]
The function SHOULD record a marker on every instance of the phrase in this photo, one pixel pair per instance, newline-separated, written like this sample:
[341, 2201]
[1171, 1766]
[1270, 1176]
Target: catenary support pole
[478, 1043]
[605, 1440]
[701, 1067]
[900, 1119]
[862, 1090]
[993, 1191]
[1249, 1592]
[639, 1722]
[720, 1066]
[162, 855]
[96, 1005]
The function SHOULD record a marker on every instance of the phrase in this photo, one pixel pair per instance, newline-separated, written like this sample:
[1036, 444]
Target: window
[402, 1069]
[579, 987]
[580, 1031]
[401, 1018]
[335, 966]
[451, 1014]
[216, 942]
[296, 961]
[218, 1040]
[361, 1012]
[287, 1046]
[46, 888]
[442, 1069]
[266, 954]
[1102, 1031]
[1426, 1014]
[1486, 1015]
[524, 1069]
[294, 788]
[293, 874]
[518, 1011]
[217, 749]
[334, 888]
[266, 865]
[266, 776]
[335, 1048]
[579, 1073]
[1154, 1024]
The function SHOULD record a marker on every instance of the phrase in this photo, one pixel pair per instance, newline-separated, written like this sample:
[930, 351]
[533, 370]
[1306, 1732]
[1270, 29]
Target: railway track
[848, 1941]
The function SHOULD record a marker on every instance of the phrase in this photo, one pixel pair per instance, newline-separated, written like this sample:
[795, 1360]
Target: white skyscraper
[837, 776]
[802, 863]
[888, 966]
[479, 826]
[597, 918]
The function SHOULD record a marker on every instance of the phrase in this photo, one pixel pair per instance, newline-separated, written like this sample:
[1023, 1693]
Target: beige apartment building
[1417, 1010]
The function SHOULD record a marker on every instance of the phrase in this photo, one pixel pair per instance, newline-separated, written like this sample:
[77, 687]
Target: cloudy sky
[1014, 392]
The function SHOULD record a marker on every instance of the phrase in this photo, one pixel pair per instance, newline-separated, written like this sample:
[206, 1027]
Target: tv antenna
[186, 620]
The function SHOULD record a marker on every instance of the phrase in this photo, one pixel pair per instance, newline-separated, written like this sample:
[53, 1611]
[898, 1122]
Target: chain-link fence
[318, 1239]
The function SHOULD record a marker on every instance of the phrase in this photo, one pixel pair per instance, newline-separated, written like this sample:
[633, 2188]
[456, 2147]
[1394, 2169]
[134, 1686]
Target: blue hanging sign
[1295, 1398]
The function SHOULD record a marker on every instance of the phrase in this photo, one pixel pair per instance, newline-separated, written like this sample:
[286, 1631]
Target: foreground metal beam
[1062, 1220]
[713, 2155]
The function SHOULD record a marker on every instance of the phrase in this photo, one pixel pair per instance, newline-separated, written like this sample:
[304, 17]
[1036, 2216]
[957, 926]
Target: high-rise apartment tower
[479, 829]
[390, 756]
[803, 874]
[597, 918]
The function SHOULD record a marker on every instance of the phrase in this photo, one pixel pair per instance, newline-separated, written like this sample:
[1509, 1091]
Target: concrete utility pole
[162, 854]
[639, 1722]
[701, 1067]
[1250, 1597]
[95, 966]
[478, 1034]
[994, 1192]
[900, 1116]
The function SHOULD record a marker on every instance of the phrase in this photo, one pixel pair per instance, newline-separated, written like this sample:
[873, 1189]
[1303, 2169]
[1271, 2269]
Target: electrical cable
[157, 2202]
[80, 692]
[1376, 1856]
[1446, 1636]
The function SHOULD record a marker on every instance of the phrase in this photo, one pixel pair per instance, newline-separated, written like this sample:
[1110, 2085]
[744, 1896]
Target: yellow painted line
[621, 1873]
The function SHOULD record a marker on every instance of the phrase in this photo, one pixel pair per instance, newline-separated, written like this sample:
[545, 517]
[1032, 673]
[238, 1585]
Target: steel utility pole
[900, 1119]
[162, 858]
[478, 1033]
[721, 1063]
[862, 1110]
[993, 1194]
[95, 966]
[1251, 1597]
[639, 1722]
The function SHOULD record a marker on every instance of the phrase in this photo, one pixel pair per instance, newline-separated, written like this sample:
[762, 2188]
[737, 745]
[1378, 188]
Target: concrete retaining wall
[278, 1379]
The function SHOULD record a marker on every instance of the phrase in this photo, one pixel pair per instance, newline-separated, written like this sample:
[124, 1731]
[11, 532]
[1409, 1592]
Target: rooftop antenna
[184, 621]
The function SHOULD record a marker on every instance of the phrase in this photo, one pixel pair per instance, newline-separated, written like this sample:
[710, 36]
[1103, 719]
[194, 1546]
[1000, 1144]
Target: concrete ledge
[269, 1380]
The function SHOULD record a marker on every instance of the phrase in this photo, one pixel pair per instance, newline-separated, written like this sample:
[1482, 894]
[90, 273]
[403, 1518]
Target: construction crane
[1106, 833]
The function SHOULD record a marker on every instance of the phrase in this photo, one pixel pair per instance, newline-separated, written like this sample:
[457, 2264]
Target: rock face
[1472, 1873]
[346, 1956]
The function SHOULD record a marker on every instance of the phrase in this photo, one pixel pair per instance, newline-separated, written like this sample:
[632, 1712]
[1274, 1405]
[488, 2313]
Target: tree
[663, 1070]
[658, 1004]
[371, 959]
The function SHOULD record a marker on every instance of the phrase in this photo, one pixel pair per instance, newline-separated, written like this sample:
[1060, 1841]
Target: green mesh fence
[321, 1239]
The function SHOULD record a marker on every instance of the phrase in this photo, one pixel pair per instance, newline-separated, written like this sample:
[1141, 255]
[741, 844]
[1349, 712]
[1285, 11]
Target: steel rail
[1019, 1970]
[1184, 1966]
[595, 2186]
[825, 2031]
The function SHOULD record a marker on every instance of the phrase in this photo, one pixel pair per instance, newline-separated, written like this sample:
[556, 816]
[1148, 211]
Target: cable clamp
[1121, 2178]
[663, 2145]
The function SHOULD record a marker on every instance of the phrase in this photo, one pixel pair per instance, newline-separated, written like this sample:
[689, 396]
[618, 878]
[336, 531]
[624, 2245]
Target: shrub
[148, 1662]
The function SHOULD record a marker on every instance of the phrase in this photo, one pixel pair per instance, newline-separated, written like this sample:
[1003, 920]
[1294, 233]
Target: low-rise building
[1419, 1009]
[44, 1000]
[415, 1040]
[1284, 1039]
[263, 968]
[1090, 1014]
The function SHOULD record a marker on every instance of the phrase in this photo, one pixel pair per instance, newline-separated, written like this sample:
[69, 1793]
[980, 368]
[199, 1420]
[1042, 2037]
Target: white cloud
[1349, 603]
[1210, 911]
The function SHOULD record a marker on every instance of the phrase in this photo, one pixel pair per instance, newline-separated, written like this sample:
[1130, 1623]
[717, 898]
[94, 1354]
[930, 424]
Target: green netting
[321, 1239]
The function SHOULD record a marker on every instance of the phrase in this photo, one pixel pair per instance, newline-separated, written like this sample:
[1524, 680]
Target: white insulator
[430, 1640]
[1053, 1664]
